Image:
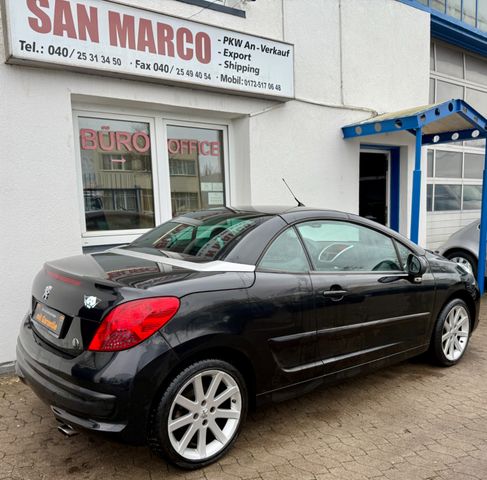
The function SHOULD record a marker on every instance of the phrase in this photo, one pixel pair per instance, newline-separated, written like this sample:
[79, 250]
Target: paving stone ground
[410, 421]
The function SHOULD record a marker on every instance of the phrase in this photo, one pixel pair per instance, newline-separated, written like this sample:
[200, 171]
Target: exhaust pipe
[67, 430]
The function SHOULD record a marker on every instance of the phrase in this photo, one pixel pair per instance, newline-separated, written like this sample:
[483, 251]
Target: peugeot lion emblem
[91, 301]
[47, 291]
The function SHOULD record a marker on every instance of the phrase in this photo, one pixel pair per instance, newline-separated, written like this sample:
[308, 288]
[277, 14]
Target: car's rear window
[199, 238]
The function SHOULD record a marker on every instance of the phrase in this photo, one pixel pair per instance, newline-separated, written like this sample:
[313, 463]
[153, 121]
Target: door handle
[335, 295]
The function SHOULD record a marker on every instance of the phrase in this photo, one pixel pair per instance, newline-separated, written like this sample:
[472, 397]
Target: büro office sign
[117, 39]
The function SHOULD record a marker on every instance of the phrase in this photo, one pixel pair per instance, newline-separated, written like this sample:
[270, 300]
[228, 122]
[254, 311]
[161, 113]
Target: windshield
[205, 237]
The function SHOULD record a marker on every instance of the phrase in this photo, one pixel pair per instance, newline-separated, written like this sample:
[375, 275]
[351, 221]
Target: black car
[170, 339]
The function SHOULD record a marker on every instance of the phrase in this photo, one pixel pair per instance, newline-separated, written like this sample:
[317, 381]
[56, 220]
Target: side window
[403, 254]
[286, 254]
[342, 246]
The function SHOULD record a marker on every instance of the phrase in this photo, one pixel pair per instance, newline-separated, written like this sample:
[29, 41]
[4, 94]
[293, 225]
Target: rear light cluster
[130, 323]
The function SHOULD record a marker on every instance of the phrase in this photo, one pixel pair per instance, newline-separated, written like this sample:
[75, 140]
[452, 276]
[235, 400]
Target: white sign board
[116, 39]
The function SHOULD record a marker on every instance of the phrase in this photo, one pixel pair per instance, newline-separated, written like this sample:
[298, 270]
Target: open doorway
[374, 186]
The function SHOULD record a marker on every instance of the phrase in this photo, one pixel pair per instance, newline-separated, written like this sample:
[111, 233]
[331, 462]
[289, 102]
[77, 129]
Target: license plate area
[49, 319]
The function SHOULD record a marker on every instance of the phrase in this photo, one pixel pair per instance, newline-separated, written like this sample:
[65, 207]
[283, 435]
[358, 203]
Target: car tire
[461, 256]
[451, 334]
[200, 414]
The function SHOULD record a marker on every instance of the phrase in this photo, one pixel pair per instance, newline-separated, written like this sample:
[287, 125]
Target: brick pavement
[410, 421]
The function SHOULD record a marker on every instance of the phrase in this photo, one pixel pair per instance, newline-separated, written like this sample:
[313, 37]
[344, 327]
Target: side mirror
[416, 267]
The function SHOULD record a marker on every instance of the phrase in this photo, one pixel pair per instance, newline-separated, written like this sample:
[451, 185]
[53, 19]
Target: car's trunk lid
[71, 296]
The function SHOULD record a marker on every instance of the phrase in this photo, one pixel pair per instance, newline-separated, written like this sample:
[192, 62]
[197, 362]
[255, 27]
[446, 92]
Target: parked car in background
[463, 247]
[171, 339]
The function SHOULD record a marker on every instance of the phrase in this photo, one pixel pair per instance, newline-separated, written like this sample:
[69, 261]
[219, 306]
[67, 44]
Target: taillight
[130, 323]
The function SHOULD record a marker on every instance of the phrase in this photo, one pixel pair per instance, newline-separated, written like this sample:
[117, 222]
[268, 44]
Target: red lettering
[122, 32]
[165, 37]
[183, 36]
[203, 47]
[146, 36]
[183, 145]
[63, 20]
[41, 23]
[193, 146]
[143, 146]
[88, 23]
[123, 138]
[207, 145]
[215, 149]
[173, 146]
[88, 139]
[111, 138]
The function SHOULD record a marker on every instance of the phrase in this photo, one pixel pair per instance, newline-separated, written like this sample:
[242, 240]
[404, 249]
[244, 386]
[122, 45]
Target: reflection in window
[476, 70]
[446, 91]
[213, 233]
[117, 174]
[454, 8]
[286, 254]
[482, 15]
[404, 253]
[478, 100]
[429, 197]
[196, 168]
[474, 165]
[343, 246]
[448, 197]
[448, 164]
[472, 197]
[469, 8]
[449, 61]
[430, 163]
[438, 5]
[182, 167]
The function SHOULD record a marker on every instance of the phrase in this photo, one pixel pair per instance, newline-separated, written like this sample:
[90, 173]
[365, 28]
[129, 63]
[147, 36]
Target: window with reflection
[447, 197]
[343, 246]
[196, 167]
[116, 167]
[472, 197]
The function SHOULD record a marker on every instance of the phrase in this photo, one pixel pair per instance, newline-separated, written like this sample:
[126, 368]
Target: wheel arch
[467, 298]
[233, 356]
[460, 249]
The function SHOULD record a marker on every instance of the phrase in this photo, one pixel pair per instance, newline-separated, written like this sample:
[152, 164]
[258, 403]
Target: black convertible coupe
[170, 339]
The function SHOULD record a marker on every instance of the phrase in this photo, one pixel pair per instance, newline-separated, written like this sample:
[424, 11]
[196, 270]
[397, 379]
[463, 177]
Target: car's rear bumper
[107, 392]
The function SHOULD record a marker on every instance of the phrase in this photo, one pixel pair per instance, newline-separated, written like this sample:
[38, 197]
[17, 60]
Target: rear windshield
[199, 238]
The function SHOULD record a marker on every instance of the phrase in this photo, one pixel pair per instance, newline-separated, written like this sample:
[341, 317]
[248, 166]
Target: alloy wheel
[205, 415]
[463, 262]
[455, 333]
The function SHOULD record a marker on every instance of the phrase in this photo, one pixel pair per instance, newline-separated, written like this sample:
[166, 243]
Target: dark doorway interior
[373, 186]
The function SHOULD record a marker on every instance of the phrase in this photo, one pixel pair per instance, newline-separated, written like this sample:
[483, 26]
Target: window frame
[161, 182]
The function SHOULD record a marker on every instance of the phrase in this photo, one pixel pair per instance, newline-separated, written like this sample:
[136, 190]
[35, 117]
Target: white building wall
[336, 43]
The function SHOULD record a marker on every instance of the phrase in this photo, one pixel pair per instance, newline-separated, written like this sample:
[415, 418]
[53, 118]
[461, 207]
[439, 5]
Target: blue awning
[451, 121]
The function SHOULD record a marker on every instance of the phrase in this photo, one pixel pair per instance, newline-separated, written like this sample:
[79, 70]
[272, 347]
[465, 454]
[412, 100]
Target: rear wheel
[451, 334]
[200, 414]
[465, 259]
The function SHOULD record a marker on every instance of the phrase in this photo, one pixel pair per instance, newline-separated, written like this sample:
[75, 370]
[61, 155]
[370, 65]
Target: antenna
[294, 196]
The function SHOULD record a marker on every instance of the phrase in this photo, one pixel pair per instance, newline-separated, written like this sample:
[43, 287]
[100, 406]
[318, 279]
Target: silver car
[463, 246]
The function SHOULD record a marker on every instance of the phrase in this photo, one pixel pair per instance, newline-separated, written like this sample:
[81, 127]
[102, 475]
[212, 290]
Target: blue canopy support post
[416, 197]
[483, 229]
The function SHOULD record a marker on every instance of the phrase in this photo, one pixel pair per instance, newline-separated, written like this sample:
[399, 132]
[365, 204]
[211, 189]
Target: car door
[366, 306]
[282, 307]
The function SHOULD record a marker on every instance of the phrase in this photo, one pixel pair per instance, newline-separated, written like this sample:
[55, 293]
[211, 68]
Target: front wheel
[451, 334]
[200, 414]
